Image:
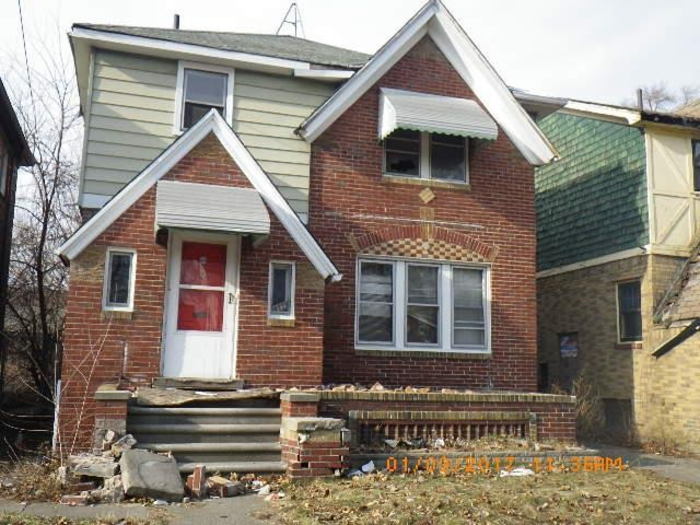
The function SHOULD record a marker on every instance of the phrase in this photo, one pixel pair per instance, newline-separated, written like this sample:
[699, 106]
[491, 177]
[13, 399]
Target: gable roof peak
[214, 123]
[435, 20]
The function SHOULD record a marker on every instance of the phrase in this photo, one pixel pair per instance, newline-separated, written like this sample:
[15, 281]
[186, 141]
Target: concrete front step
[241, 467]
[208, 453]
[205, 429]
[166, 416]
[205, 433]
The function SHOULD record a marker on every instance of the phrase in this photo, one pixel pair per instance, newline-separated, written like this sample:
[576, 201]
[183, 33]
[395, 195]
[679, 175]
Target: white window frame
[180, 91]
[292, 298]
[394, 299]
[129, 307]
[446, 303]
[424, 161]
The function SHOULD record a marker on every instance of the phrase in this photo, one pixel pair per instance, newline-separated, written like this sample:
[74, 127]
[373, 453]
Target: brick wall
[585, 301]
[350, 198]
[102, 348]
[666, 397]
[556, 417]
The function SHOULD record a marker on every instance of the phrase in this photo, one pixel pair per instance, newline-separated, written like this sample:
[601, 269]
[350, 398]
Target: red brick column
[299, 404]
[111, 406]
[311, 446]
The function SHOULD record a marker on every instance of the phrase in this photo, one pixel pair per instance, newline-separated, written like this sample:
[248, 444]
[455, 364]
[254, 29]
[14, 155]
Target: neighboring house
[618, 219]
[291, 214]
[14, 152]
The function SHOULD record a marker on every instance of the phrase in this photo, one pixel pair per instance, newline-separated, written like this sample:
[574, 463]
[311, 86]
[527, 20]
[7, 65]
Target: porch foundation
[110, 413]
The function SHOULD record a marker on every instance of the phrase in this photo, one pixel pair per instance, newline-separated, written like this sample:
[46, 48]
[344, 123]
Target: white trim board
[211, 123]
[118, 41]
[435, 20]
[596, 261]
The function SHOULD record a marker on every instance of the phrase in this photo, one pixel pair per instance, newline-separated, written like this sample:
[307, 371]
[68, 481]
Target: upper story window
[426, 155]
[407, 305]
[201, 88]
[696, 164]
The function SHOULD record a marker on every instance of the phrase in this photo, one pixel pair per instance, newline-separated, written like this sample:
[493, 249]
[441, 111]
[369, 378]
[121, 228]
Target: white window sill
[423, 352]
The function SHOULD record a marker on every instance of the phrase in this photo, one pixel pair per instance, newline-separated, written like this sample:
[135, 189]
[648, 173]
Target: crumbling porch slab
[164, 397]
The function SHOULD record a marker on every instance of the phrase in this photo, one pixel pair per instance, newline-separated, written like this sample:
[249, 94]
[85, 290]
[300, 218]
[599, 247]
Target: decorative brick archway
[426, 242]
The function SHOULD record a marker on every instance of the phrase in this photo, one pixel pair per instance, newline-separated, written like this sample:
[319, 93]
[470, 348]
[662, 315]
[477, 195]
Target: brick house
[291, 214]
[617, 240]
[14, 152]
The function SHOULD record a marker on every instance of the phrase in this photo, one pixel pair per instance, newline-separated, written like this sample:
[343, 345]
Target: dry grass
[557, 498]
[31, 481]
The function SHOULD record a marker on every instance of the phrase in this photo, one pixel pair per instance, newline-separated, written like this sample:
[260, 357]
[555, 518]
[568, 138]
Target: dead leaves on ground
[558, 499]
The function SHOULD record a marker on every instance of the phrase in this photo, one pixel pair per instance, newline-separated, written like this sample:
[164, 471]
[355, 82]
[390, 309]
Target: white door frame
[232, 287]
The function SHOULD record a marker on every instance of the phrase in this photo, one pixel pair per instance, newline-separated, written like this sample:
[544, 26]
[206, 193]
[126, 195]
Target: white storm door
[201, 307]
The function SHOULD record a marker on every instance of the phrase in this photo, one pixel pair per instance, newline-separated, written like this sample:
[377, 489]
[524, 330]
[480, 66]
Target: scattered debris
[111, 492]
[122, 445]
[75, 500]
[264, 491]
[151, 475]
[196, 485]
[224, 488]
[517, 472]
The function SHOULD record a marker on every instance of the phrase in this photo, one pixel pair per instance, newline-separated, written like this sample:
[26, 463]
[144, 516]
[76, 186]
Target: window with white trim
[120, 276]
[423, 155]
[407, 305]
[281, 290]
[200, 88]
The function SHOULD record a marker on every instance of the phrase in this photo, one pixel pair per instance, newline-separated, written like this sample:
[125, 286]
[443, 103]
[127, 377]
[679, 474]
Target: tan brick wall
[585, 301]
[667, 392]
[664, 391]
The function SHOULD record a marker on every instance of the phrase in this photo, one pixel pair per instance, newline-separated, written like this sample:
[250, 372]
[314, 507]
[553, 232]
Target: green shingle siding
[592, 202]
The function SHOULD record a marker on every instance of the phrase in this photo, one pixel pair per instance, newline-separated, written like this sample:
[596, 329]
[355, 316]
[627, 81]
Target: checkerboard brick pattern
[425, 249]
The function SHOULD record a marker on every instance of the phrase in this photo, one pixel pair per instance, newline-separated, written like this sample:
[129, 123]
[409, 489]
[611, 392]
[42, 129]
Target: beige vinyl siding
[131, 122]
[267, 110]
[131, 118]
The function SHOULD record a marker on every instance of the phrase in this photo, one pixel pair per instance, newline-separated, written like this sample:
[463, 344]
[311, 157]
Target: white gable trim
[211, 123]
[434, 19]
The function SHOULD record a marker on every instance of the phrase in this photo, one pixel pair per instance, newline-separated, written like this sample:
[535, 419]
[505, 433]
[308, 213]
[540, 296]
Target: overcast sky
[597, 50]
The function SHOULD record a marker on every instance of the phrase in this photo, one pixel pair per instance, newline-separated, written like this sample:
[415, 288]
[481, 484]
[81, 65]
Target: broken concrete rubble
[151, 475]
[123, 444]
[111, 492]
[92, 466]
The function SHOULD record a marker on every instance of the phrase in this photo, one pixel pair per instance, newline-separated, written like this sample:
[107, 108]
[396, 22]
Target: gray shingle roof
[282, 46]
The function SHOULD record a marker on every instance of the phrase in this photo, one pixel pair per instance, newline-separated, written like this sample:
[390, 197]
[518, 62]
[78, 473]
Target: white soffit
[210, 208]
[139, 185]
[433, 19]
[400, 109]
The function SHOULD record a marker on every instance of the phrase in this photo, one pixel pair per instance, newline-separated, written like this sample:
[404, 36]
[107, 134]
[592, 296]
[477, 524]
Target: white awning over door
[400, 109]
[213, 208]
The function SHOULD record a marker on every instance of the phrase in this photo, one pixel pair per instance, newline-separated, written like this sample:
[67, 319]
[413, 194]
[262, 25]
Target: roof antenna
[176, 21]
[293, 18]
